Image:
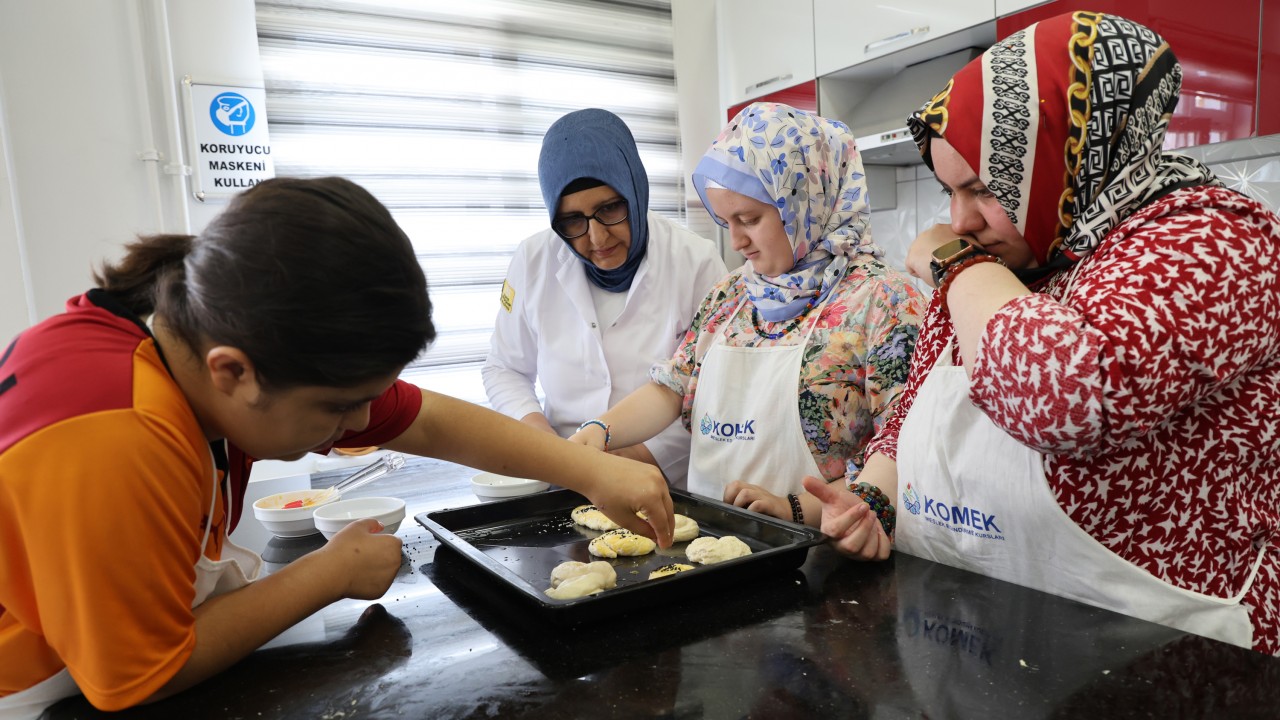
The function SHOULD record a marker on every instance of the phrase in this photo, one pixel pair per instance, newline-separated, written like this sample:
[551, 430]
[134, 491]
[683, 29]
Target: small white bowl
[492, 485]
[332, 517]
[290, 522]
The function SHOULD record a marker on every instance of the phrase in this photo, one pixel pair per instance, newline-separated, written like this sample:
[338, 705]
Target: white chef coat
[551, 333]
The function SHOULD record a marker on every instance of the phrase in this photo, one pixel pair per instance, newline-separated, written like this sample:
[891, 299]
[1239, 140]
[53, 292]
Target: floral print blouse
[855, 364]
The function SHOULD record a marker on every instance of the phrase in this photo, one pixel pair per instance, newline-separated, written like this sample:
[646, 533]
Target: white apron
[746, 418]
[238, 567]
[972, 497]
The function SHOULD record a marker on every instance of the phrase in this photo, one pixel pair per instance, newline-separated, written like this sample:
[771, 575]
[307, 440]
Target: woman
[1092, 407]
[589, 305]
[128, 425]
[813, 321]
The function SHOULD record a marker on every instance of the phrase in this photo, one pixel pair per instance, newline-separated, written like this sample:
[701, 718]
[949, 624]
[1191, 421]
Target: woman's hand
[757, 499]
[920, 254]
[849, 521]
[368, 561]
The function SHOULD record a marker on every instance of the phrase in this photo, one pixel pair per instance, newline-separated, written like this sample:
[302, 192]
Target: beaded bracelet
[879, 503]
[954, 270]
[797, 512]
[603, 426]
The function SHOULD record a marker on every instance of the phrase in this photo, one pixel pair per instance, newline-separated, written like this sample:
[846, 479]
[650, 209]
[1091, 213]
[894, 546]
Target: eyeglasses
[570, 227]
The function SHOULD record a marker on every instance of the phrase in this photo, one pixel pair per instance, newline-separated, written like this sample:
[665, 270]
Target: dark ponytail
[148, 262]
[311, 278]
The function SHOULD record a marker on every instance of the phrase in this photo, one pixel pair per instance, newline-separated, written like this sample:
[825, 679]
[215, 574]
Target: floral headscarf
[808, 168]
[1063, 122]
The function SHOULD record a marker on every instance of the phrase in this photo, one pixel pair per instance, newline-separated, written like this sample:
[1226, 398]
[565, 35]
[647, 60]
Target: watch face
[950, 250]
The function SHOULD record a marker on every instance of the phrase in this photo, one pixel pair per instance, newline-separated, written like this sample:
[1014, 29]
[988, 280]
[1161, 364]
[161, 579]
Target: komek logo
[911, 500]
[727, 431]
[964, 519]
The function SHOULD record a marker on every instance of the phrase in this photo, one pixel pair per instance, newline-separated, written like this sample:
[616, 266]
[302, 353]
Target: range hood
[875, 105]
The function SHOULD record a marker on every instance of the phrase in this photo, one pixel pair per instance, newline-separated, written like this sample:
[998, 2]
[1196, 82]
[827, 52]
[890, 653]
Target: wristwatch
[949, 254]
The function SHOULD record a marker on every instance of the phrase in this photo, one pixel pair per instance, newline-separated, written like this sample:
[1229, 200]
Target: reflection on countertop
[902, 639]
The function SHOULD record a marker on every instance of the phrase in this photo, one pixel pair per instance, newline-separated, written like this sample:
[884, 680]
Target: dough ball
[686, 528]
[575, 579]
[571, 569]
[709, 550]
[671, 569]
[617, 543]
[589, 516]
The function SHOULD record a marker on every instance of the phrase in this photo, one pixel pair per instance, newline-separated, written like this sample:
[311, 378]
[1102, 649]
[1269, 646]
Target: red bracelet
[954, 270]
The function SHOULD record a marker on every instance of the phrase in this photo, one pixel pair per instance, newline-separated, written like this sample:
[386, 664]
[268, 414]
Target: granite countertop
[906, 638]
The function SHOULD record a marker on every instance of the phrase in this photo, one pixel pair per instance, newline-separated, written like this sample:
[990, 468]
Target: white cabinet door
[849, 32]
[1009, 7]
[764, 45]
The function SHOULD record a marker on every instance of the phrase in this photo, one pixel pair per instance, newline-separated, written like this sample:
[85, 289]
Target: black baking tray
[519, 541]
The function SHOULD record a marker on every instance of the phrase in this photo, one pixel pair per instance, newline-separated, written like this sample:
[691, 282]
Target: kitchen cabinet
[1269, 70]
[1219, 52]
[803, 96]
[1008, 7]
[763, 47]
[850, 32]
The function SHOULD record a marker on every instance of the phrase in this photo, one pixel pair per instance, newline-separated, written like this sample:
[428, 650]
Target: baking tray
[519, 541]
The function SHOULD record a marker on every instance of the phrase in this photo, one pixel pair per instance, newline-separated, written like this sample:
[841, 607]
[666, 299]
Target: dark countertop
[903, 639]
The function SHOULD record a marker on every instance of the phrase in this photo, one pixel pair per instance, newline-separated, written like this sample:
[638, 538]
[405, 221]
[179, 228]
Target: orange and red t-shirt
[105, 486]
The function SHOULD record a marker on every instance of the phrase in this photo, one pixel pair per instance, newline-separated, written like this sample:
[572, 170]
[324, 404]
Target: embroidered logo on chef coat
[727, 431]
[508, 296]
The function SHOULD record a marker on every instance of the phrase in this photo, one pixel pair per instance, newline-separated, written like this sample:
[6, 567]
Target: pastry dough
[686, 529]
[671, 569]
[590, 516]
[709, 550]
[573, 579]
[621, 542]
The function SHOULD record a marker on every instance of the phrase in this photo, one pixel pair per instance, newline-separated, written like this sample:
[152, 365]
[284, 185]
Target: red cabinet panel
[1217, 45]
[802, 97]
[1269, 70]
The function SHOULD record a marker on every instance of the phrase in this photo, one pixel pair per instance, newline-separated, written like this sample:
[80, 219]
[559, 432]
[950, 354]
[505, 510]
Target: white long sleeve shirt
[550, 332]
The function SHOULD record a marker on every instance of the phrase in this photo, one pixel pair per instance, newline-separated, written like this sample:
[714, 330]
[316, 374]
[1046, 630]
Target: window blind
[439, 108]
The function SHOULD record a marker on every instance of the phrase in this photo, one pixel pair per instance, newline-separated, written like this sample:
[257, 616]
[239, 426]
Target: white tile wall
[921, 204]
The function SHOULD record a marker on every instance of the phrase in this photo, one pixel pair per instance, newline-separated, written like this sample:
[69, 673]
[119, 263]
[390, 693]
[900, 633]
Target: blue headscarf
[595, 143]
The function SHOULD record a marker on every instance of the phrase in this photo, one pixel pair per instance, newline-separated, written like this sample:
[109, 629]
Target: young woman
[590, 304]
[128, 425]
[813, 322]
[1092, 406]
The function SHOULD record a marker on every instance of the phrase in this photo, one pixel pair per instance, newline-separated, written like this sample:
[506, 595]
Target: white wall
[693, 24]
[86, 88]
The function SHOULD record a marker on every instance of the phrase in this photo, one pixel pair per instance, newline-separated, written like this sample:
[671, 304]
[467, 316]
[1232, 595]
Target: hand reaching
[626, 487]
[850, 523]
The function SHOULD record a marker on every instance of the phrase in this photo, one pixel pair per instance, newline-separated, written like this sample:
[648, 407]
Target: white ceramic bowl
[290, 522]
[332, 517]
[491, 485]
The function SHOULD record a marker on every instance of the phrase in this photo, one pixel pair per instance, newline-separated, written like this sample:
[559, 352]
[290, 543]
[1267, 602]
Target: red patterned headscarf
[1063, 122]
